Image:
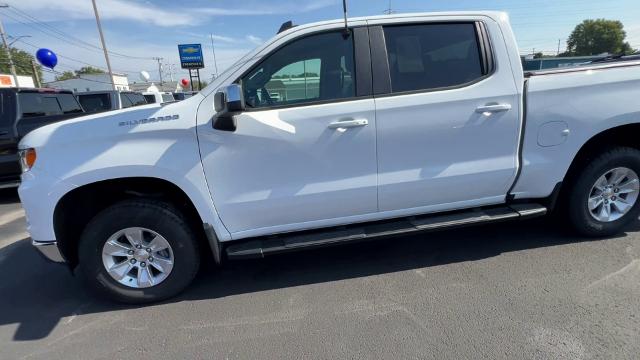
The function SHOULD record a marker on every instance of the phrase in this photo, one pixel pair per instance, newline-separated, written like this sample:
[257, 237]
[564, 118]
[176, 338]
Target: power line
[51, 31]
[79, 61]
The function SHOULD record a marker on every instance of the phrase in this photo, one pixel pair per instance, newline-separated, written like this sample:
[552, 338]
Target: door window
[315, 68]
[431, 56]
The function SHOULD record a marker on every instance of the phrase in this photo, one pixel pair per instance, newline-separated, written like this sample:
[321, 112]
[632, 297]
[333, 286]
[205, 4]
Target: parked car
[158, 97]
[23, 110]
[406, 123]
[97, 101]
[179, 96]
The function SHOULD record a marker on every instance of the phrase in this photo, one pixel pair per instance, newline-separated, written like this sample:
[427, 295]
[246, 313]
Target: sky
[138, 30]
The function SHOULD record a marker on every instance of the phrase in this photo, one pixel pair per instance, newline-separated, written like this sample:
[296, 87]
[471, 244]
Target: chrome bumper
[49, 250]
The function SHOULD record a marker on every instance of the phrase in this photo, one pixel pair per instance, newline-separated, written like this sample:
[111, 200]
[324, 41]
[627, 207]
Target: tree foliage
[89, 70]
[22, 61]
[594, 37]
[66, 76]
[86, 70]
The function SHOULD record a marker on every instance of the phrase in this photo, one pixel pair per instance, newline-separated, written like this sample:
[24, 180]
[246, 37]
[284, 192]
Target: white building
[7, 80]
[86, 82]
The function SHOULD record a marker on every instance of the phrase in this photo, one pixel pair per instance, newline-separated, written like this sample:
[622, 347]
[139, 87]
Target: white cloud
[109, 9]
[217, 38]
[149, 13]
[254, 39]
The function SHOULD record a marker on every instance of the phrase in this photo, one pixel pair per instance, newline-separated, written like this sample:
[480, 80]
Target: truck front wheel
[604, 196]
[138, 251]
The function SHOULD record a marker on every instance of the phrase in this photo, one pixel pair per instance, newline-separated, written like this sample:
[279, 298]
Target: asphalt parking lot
[521, 290]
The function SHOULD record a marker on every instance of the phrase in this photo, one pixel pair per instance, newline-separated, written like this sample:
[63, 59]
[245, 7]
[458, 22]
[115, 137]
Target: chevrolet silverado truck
[331, 133]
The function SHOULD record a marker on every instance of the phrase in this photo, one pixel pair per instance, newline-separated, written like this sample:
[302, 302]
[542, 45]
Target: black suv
[23, 110]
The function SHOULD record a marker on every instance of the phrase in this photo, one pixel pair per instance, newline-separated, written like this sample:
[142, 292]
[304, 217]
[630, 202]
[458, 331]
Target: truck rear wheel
[604, 196]
[138, 251]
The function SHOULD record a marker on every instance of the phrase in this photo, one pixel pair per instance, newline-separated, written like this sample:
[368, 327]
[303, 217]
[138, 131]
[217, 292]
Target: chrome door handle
[493, 108]
[348, 123]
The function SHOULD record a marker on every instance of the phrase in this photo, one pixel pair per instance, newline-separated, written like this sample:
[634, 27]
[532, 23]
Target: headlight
[27, 158]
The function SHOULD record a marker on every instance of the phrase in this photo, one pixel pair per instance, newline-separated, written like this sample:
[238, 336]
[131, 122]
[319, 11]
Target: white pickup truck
[400, 124]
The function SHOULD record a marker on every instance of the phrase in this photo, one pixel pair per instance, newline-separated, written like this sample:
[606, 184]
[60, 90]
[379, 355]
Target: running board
[262, 246]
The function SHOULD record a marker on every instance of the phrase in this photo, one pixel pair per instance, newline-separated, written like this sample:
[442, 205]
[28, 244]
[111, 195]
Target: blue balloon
[47, 58]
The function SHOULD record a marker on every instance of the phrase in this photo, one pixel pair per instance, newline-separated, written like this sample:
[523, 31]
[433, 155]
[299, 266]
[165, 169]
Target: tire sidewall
[579, 210]
[150, 216]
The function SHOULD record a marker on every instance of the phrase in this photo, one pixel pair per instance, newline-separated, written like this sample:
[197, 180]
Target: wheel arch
[624, 135]
[77, 207]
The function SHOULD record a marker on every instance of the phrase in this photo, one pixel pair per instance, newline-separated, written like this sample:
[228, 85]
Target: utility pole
[104, 47]
[159, 60]
[12, 66]
[558, 47]
[213, 50]
[171, 70]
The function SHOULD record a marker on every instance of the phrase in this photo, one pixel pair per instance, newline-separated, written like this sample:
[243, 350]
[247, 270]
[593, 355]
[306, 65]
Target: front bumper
[50, 250]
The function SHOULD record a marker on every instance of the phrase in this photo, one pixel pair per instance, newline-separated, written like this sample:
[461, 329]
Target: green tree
[22, 61]
[66, 76]
[593, 37]
[89, 70]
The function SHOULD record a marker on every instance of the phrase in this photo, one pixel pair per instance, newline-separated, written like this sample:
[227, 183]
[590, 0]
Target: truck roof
[492, 14]
[108, 92]
[37, 90]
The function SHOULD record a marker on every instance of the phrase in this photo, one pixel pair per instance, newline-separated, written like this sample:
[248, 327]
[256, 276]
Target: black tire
[157, 216]
[580, 188]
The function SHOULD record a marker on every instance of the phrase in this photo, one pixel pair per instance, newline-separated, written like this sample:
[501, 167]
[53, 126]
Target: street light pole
[159, 60]
[104, 47]
[213, 50]
[17, 38]
[12, 66]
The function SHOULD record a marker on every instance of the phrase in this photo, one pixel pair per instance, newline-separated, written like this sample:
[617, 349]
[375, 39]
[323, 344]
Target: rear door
[447, 115]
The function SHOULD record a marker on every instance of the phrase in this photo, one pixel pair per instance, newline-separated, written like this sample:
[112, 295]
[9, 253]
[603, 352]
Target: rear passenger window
[431, 56]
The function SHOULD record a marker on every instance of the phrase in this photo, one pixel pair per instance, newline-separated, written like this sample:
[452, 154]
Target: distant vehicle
[616, 58]
[98, 101]
[23, 110]
[183, 95]
[158, 97]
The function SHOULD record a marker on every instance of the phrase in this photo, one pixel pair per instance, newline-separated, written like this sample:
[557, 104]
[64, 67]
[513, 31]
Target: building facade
[94, 82]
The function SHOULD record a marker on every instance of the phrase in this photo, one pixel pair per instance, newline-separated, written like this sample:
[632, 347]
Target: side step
[262, 246]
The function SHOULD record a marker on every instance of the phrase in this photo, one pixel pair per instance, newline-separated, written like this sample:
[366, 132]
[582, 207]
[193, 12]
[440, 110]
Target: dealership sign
[191, 56]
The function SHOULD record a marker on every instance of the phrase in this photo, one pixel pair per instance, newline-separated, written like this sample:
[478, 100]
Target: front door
[304, 152]
[448, 126]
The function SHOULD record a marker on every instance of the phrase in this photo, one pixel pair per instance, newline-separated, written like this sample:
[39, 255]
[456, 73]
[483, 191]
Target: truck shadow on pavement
[36, 295]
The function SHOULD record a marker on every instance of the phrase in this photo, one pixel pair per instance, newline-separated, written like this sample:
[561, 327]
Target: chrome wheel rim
[137, 257]
[613, 194]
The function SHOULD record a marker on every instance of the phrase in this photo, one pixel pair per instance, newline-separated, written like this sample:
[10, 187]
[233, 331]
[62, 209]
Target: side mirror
[228, 102]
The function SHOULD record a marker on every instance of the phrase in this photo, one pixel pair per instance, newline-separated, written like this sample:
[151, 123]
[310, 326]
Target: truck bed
[564, 108]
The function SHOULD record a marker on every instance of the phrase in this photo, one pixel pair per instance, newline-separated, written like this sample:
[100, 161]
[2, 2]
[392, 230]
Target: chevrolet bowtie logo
[190, 50]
